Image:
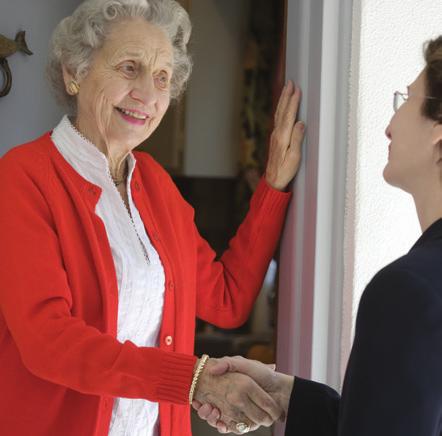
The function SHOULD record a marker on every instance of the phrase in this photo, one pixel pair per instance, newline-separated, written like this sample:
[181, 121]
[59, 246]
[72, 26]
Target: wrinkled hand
[286, 140]
[236, 397]
[278, 385]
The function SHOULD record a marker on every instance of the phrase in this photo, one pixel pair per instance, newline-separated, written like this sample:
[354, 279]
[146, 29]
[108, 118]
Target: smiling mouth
[136, 115]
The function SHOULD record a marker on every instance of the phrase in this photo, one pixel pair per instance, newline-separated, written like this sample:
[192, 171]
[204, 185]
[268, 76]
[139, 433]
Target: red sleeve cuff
[269, 199]
[176, 376]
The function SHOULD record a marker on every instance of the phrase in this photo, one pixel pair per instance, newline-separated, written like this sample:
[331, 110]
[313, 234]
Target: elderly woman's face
[127, 90]
[414, 149]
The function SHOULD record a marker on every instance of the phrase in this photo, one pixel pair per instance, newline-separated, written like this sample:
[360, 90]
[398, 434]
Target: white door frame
[311, 269]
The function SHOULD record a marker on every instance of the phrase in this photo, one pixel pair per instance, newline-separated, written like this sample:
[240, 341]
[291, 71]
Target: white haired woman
[102, 269]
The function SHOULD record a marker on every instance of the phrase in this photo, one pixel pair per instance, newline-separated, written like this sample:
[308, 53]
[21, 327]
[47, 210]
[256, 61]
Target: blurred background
[214, 143]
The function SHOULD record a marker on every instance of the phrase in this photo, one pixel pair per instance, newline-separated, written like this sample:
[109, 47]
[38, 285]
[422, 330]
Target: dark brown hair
[432, 108]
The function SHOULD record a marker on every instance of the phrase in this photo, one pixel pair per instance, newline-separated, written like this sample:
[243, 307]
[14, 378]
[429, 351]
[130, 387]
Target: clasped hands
[238, 395]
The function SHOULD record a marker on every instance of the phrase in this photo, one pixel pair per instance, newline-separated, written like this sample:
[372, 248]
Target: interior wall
[29, 109]
[214, 96]
[381, 222]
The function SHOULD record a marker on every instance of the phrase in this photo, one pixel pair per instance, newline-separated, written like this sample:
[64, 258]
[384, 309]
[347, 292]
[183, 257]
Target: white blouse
[140, 278]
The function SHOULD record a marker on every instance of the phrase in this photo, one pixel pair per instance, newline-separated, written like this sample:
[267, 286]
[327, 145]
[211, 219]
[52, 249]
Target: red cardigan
[60, 362]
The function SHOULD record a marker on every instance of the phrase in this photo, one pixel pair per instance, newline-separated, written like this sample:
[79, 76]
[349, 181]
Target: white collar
[83, 155]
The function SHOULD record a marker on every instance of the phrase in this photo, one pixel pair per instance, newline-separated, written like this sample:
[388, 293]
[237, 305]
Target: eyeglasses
[400, 98]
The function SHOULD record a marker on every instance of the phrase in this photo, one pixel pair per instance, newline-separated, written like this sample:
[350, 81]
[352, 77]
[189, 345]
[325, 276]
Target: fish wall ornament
[7, 48]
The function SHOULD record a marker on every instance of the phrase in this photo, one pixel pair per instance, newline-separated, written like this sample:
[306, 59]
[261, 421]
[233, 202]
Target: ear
[437, 141]
[67, 78]
[436, 136]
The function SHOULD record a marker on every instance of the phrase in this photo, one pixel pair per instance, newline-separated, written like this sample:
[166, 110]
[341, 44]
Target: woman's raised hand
[286, 139]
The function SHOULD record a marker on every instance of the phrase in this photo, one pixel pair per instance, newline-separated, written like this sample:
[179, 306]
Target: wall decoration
[8, 47]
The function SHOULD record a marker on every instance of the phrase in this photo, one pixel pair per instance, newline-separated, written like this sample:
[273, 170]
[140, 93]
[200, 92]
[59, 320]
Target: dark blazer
[393, 382]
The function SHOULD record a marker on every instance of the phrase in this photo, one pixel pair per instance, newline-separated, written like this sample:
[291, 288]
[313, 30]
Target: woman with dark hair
[393, 382]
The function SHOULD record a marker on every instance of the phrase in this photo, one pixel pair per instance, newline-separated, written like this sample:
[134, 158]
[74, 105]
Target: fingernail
[301, 126]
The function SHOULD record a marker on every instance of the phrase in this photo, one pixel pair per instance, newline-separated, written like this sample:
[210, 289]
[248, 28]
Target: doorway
[214, 144]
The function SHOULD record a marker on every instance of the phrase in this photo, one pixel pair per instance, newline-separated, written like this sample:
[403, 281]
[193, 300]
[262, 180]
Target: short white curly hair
[77, 37]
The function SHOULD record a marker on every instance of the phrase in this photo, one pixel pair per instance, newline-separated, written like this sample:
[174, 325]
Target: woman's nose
[145, 92]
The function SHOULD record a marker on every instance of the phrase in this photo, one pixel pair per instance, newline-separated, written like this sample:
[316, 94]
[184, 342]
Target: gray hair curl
[77, 37]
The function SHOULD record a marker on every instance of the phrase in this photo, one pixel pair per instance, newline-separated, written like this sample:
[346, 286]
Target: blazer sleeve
[227, 289]
[36, 305]
[393, 384]
[313, 409]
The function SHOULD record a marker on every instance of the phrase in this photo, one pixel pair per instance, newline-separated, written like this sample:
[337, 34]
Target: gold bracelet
[199, 369]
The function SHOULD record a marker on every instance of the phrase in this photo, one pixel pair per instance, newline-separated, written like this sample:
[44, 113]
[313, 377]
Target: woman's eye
[129, 69]
[162, 80]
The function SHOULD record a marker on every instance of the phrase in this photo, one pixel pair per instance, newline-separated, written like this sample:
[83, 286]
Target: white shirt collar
[84, 156]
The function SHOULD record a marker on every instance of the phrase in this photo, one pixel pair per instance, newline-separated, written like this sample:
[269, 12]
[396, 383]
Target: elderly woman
[102, 269]
[393, 382]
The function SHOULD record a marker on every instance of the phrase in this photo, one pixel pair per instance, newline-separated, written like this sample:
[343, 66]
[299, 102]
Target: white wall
[214, 97]
[381, 222]
[29, 109]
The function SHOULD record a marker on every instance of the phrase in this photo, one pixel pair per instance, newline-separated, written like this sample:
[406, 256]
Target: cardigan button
[171, 286]
[137, 186]
[168, 340]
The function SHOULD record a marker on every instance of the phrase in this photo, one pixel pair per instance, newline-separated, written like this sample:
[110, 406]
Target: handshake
[238, 395]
